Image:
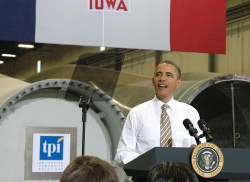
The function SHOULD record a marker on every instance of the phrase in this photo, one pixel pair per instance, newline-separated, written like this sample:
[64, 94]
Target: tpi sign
[109, 5]
[51, 147]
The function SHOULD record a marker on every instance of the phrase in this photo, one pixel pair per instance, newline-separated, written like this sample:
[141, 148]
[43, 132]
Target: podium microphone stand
[84, 104]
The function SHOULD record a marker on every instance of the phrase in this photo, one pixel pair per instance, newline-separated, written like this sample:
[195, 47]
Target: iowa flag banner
[170, 25]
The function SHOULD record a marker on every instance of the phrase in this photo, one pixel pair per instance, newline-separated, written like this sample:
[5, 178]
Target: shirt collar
[159, 103]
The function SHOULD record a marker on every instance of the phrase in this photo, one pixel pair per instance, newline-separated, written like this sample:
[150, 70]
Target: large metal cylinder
[224, 103]
[47, 108]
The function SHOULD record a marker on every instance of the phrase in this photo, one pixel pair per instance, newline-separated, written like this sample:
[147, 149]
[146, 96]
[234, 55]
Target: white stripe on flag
[145, 26]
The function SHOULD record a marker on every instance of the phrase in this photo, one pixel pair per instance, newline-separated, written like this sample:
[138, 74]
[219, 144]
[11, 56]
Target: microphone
[192, 131]
[206, 131]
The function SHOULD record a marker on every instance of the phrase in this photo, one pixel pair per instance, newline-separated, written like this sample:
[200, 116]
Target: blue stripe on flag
[17, 20]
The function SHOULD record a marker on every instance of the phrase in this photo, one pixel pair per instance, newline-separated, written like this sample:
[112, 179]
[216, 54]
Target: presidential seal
[207, 160]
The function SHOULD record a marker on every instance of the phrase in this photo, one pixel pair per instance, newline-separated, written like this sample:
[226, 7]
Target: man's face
[165, 82]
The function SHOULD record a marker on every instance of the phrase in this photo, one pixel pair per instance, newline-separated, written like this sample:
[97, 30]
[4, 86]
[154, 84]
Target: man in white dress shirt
[141, 131]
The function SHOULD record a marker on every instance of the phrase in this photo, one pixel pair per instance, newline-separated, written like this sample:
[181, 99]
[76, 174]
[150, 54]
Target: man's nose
[163, 77]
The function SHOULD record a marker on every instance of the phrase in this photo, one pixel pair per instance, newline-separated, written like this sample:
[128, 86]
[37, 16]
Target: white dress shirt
[141, 130]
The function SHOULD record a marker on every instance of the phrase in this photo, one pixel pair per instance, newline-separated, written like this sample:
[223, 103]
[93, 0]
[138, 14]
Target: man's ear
[179, 83]
[153, 80]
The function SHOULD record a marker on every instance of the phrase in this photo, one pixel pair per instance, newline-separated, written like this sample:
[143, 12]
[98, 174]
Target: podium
[236, 162]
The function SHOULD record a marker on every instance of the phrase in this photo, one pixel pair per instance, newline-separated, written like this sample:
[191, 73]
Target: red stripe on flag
[198, 26]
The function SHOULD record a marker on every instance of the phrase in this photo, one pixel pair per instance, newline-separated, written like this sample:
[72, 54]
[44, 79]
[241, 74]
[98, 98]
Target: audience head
[89, 169]
[172, 172]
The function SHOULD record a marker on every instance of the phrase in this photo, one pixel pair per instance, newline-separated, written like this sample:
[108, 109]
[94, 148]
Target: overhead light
[38, 66]
[1, 62]
[28, 46]
[9, 55]
[102, 48]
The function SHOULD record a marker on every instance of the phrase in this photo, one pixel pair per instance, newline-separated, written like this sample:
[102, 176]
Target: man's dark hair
[89, 169]
[172, 172]
[175, 65]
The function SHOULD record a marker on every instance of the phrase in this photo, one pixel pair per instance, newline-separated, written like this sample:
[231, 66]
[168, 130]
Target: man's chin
[161, 97]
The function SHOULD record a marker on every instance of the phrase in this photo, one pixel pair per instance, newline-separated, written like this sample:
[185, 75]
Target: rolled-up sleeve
[127, 143]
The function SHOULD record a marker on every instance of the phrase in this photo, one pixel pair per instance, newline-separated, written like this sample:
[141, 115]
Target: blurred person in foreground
[89, 169]
[172, 172]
